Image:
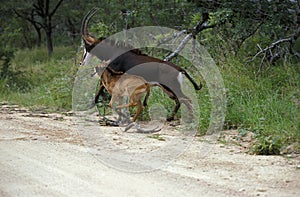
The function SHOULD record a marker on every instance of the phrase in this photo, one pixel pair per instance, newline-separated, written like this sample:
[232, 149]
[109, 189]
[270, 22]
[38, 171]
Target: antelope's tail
[196, 86]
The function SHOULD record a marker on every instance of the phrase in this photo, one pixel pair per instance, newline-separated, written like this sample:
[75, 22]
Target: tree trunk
[49, 42]
[39, 34]
[39, 40]
[37, 28]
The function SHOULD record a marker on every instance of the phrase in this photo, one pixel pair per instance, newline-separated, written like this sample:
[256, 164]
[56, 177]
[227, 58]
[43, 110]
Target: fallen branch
[276, 45]
[270, 47]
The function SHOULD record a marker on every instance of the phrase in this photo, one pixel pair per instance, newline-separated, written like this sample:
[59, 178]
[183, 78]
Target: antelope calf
[119, 85]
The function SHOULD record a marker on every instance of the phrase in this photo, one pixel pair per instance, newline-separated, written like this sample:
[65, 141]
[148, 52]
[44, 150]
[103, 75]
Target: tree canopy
[268, 30]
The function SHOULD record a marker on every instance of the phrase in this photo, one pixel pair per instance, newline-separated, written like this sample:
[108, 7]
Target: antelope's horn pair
[88, 39]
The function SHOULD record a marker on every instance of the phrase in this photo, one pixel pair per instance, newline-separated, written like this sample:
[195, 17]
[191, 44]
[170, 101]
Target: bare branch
[30, 19]
[39, 9]
[179, 48]
[201, 25]
[171, 37]
[193, 50]
[275, 50]
[260, 66]
[270, 47]
[155, 20]
[56, 7]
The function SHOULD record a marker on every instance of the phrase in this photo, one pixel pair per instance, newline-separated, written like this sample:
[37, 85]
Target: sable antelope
[132, 61]
[120, 85]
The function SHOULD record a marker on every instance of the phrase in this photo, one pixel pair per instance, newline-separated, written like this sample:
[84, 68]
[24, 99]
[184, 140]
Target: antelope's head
[99, 69]
[104, 64]
[89, 40]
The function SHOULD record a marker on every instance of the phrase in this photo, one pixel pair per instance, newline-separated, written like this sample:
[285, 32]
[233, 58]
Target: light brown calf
[119, 85]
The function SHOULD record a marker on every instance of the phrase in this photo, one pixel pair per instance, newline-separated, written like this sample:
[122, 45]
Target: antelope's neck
[108, 81]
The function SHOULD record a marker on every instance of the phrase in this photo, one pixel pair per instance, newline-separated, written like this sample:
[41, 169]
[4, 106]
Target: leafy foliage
[32, 80]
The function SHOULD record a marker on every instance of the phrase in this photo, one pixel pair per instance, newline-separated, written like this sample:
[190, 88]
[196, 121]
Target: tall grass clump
[267, 105]
[34, 79]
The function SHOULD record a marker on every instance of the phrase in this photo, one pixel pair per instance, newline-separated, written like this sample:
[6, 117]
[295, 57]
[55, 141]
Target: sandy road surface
[40, 154]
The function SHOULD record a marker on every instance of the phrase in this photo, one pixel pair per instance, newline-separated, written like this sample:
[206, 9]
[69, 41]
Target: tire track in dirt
[42, 154]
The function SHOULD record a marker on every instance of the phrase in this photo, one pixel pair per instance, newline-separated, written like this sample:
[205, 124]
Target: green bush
[267, 106]
[33, 79]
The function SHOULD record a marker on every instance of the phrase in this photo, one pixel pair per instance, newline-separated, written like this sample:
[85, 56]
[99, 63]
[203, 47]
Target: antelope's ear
[107, 62]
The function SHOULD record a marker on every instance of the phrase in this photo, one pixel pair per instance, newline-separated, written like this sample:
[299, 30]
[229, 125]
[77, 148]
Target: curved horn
[89, 39]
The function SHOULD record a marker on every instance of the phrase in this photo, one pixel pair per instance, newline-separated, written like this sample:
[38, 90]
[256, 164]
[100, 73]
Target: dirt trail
[42, 154]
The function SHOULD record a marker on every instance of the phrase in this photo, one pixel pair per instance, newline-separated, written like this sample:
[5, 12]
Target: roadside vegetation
[268, 105]
[263, 93]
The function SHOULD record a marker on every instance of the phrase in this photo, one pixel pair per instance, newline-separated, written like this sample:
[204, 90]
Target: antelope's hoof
[170, 118]
[111, 123]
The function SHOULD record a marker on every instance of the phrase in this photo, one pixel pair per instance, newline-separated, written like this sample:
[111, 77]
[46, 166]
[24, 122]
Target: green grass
[268, 105]
[39, 82]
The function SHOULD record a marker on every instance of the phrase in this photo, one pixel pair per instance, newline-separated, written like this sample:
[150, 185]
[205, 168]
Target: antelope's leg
[138, 111]
[172, 96]
[125, 105]
[175, 110]
[118, 111]
[187, 101]
[132, 103]
[100, 91]
[145, 103]
[112, 100]
[123, 116]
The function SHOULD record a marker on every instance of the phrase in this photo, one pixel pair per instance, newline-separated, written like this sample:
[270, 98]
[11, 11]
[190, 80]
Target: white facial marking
[86, 58]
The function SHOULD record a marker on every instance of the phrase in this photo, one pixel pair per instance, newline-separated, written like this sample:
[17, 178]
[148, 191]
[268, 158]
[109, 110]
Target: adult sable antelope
[132, 61]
